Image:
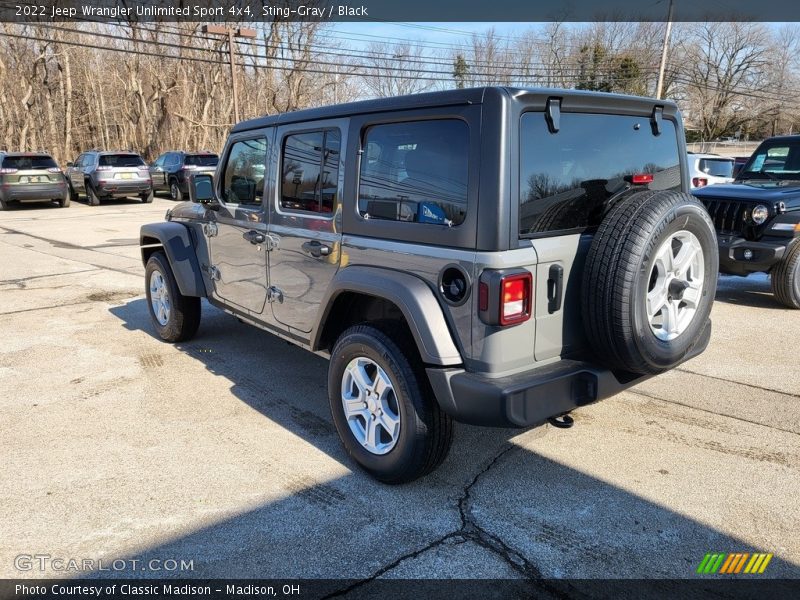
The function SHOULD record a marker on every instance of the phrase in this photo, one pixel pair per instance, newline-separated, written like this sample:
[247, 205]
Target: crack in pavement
[469, 531]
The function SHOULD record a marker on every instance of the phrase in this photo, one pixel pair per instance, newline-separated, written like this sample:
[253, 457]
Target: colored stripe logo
[720, 563]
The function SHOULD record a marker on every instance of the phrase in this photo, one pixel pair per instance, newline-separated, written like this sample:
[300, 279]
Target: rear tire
[175, 191]
[786, 277]
[91, 196]
[3, 204]
[375, 370]
[147, 197]
[64, 202]
[176, 317]
[649, 281]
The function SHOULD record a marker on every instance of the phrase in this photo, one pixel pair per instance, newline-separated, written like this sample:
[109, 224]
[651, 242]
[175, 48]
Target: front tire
[383, 407]
[649, 281]
[176, 317]
[786, 278]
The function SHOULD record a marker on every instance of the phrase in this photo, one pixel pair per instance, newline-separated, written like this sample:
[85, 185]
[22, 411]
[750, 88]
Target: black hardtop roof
[442, 98]
[782, 138]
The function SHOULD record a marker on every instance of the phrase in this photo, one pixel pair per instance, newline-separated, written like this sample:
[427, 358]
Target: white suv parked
[708, 169]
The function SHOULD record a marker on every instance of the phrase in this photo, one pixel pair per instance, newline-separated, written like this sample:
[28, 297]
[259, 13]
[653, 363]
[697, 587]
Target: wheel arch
[361, 293]
[176, 242]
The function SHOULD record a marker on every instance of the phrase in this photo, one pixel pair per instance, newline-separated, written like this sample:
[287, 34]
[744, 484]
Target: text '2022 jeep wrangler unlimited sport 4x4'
[496, 256]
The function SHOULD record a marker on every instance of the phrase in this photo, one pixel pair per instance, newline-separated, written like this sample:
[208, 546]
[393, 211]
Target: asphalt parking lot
[220, 451]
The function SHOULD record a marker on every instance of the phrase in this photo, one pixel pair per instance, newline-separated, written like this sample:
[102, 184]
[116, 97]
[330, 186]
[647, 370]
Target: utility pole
[660, 86]
[241, 32]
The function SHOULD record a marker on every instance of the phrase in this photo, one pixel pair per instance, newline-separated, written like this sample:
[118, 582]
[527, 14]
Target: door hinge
[213, 273]
[274, 295]
[210, 229]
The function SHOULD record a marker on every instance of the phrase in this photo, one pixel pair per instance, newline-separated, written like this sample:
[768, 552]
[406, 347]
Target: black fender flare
[411, 295]
[176, 240]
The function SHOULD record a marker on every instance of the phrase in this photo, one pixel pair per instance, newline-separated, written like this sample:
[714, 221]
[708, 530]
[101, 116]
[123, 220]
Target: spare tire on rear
[649, 281]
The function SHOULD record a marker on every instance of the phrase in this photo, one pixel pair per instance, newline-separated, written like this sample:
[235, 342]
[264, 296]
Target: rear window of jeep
[415, 172]
[567, 178]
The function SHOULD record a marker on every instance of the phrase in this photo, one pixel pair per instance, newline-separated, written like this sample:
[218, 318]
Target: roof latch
[655, 119]
[553, 114]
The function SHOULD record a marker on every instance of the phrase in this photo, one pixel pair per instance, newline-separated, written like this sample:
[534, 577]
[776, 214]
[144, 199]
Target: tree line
[155, 86]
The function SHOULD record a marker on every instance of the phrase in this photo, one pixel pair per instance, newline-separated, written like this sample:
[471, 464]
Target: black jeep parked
[757, 217]
[170, 171]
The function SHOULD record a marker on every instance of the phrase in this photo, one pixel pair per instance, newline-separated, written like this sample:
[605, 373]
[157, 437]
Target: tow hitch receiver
[562, 421]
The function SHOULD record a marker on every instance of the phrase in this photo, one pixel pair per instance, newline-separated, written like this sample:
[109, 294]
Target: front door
[306, 220]
[237, 236]
[157, 173]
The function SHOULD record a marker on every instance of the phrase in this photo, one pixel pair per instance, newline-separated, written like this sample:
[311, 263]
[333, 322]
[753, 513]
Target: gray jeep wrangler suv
[495, 256]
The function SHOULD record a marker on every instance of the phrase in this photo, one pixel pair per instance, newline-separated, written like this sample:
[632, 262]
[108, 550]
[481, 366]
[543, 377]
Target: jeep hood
[746, 191]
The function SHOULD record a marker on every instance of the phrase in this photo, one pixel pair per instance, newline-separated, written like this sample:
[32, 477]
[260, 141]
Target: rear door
[306, 219]
[237, 234]
[75, 173]
[567, 182]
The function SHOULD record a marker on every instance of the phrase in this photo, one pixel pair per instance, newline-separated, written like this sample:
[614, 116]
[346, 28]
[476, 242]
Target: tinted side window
[310, 168]
[415, 171]
[243, 180]
[567, 178]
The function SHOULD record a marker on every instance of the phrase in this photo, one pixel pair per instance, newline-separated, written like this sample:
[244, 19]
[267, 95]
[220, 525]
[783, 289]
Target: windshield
[202, 160]
[717, 167]
[25, 163]
[121, 160]
[778, 161]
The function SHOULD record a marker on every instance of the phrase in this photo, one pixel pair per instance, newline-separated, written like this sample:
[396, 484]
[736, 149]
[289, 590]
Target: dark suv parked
[757, 217]
[170, 171]
[31, 177]
[499, 256]
[104, 174]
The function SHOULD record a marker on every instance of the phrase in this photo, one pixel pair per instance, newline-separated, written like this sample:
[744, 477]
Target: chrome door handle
[254, 237]
[316, 249]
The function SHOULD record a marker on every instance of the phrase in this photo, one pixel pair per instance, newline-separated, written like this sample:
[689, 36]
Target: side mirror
[70, 164]
[201, 190]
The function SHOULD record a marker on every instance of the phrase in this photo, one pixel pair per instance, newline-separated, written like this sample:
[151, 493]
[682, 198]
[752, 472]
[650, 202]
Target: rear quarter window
[415, 172]
[567, 178]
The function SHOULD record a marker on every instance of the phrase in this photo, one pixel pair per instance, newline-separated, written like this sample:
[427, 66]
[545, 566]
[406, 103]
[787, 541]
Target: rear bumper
[732, 259]
[119, 189]
[531, 397]
[33, 193]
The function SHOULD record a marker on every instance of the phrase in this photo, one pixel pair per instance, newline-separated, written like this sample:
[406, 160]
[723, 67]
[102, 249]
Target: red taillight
[8, 171]
[515, 298]
[641, 178]
[699, 182]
